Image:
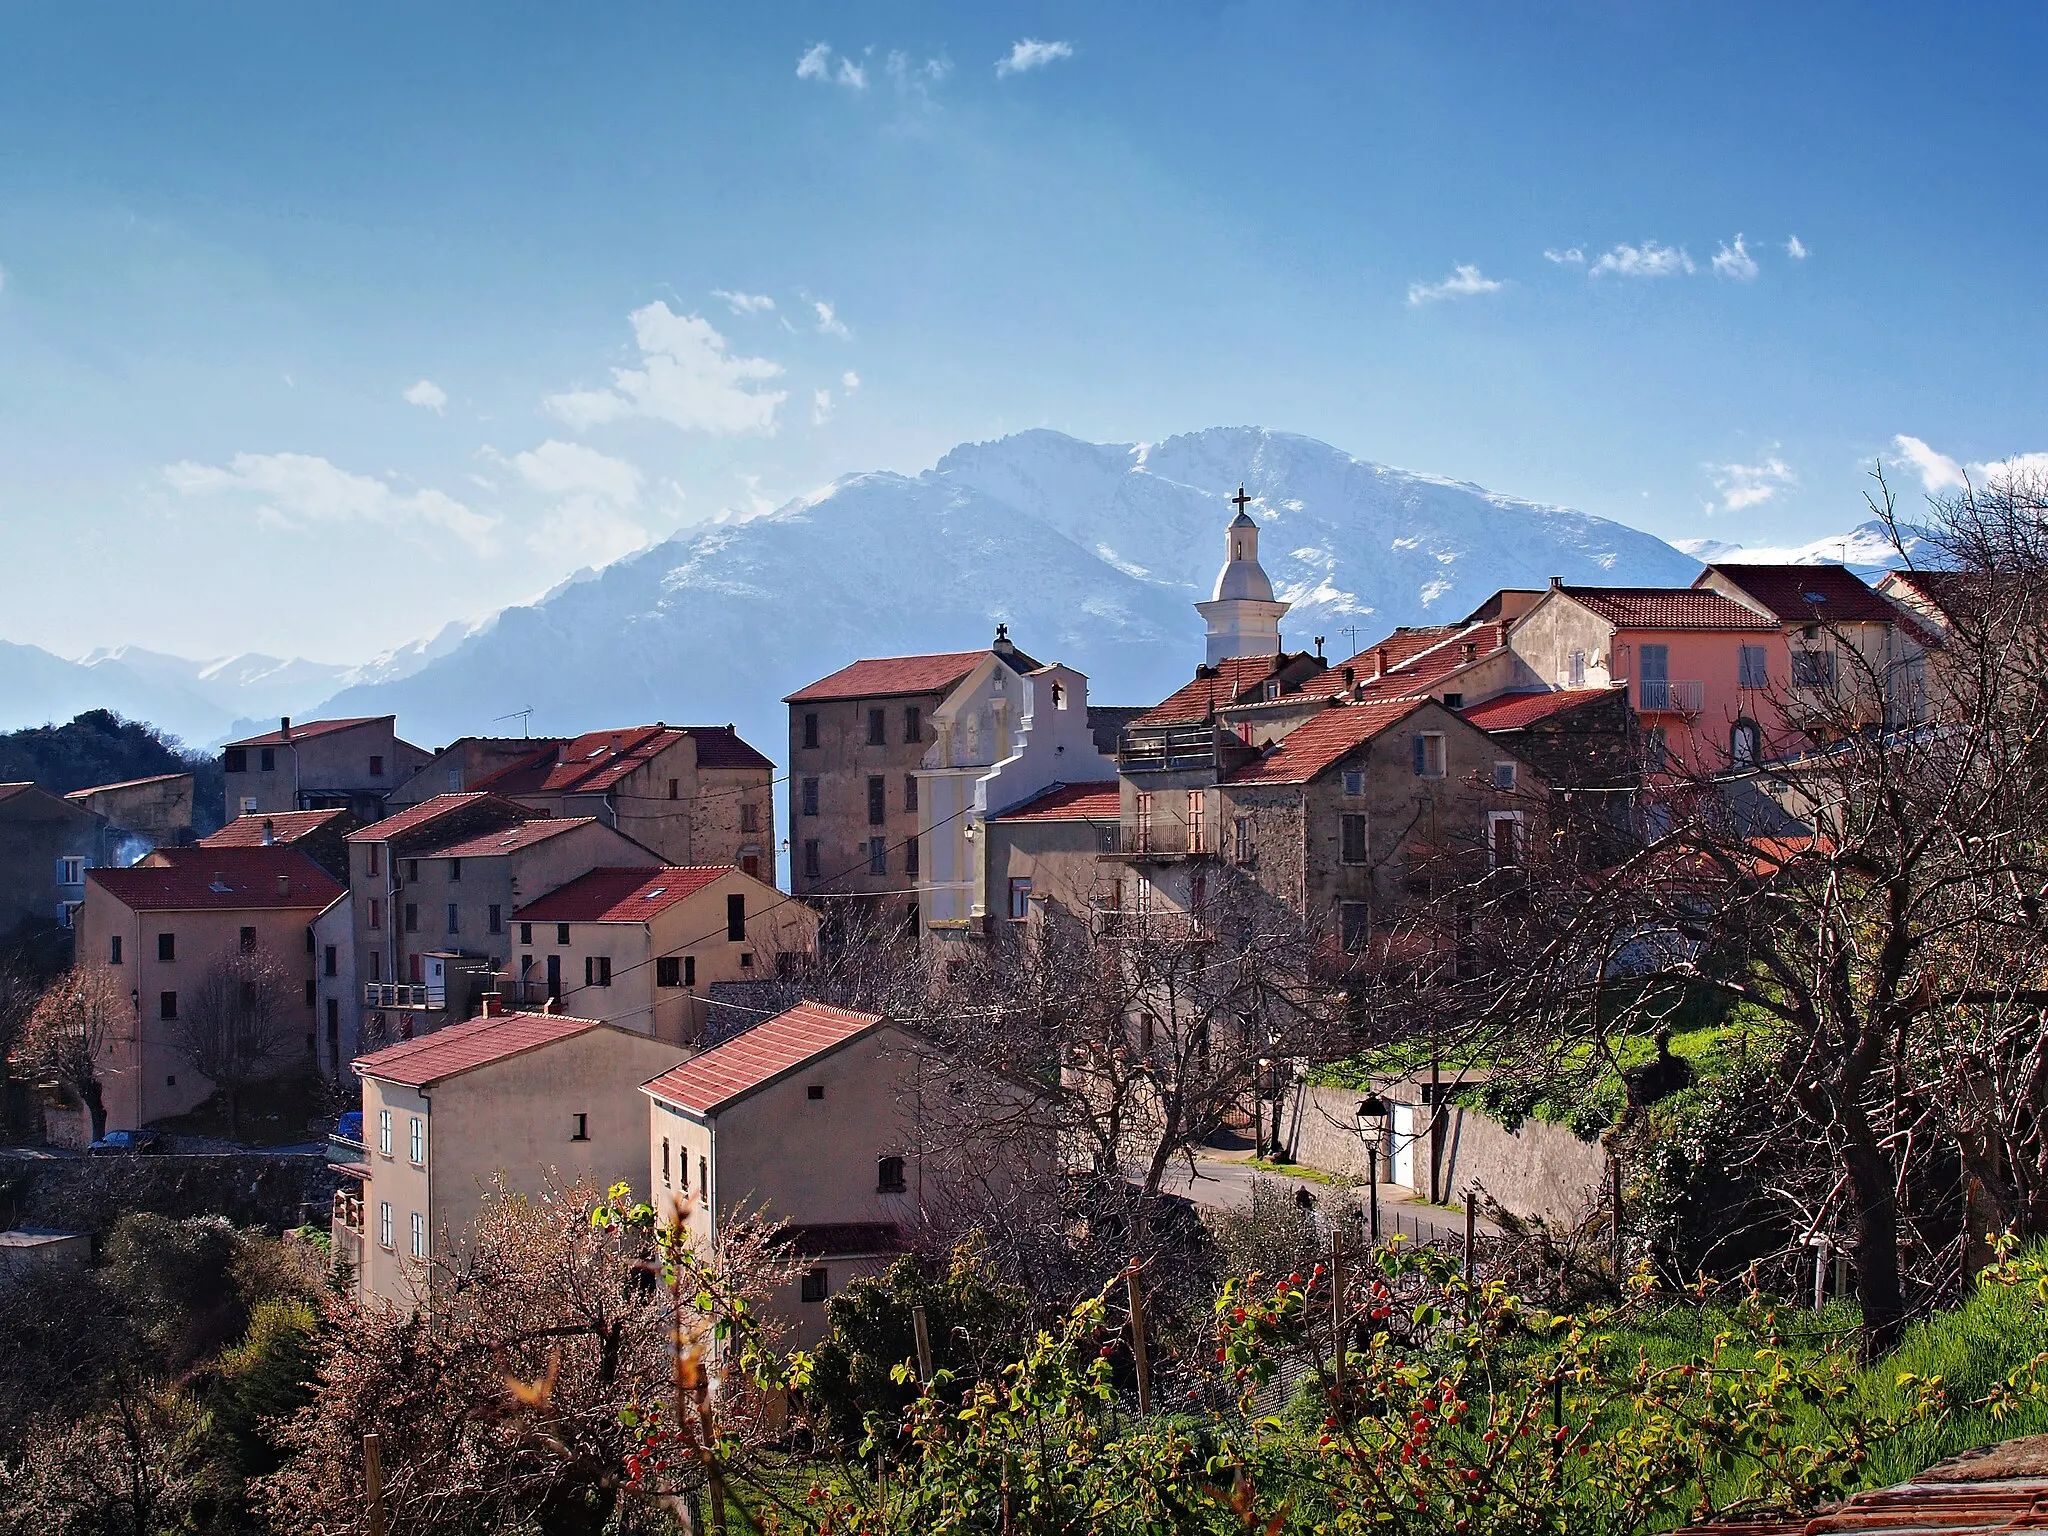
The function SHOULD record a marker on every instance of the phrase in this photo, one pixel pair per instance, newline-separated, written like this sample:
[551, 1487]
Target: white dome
[1243, 579]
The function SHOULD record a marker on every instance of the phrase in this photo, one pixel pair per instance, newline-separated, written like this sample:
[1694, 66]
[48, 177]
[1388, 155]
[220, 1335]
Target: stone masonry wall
[89, 1194]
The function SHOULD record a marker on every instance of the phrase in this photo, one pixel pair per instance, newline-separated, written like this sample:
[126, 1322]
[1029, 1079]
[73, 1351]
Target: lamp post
[1372, 1118]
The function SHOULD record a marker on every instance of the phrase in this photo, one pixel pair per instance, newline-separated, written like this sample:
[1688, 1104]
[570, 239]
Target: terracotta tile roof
[720, 746]
[224, 879]
[1315, 745]
[1070, 802]
[9, 791]
[154, 778]
[312, 728]
[465, 1047]
[756, 1058]
[523, 775]
[1514, 711]
[1998, 1488]
[1667, 608]
[1402, 647]
[1800, 594]
[613, 895]
[1947, 591]
[1214, 687]
[415, 817]
[482, 845]
[884, 676]
[286, 827]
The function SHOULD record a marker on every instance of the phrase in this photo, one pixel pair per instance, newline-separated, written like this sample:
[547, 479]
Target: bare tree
[70, 1033]
[237, 1026]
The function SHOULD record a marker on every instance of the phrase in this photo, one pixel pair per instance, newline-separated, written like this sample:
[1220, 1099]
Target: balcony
[1171, 749]
[1169, 841]
[404, 994]
[531, 992]
[1670, 696]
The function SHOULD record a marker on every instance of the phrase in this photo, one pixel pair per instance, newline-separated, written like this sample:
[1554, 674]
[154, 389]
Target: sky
[323, 324]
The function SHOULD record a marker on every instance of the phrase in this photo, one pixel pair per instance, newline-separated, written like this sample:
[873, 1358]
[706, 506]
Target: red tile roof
[612, 895]
[154, 778]
[885, 676]
[1667, 608]
[1802, 594]
[1316, 745]
[312, 728]
[1070, 802]
[414, 817]
[720, 746]
[465, 1047]
[9, 791]
[482, 845]
[286, 827]
[590, 764]
[1514, 711]
[224, 879]
[756, 1058]
[1216, 686]
[1995, 1488]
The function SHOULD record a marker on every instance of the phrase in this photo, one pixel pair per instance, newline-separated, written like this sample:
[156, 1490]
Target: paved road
[1225, 1184]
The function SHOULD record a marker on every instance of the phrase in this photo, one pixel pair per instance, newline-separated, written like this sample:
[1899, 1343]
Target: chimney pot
[284, 726]
[1471, 650]
[1381, 658]
[490, 1005]
[1556, 582]
[269, 831]
[1350, 676]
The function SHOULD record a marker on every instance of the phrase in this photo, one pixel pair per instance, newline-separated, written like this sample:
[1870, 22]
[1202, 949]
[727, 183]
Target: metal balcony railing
[403, 994]
[527, 992]
[1169, 749]
[1665, 695]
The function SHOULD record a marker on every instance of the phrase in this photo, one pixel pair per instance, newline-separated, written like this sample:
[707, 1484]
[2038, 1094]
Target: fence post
[1137, 1294]
[373, 1483]
[924, 1345]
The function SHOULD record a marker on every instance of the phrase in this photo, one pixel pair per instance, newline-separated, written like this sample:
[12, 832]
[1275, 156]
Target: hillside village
[1417, 942]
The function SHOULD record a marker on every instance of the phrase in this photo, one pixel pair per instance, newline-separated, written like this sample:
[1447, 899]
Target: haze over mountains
[1092, 553]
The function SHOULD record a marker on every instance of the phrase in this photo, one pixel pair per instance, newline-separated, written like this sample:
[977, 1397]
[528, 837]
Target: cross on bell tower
[1243, 617]
[1240, 500]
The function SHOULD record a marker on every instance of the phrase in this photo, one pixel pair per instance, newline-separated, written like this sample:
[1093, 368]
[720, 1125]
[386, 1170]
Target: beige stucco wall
[330, 763]
[842, 763]
[1061, 859]
[158, 809]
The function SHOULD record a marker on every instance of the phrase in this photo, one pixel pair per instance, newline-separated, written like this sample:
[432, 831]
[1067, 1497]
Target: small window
[683, 1170]
[1144, 902]
[114, 949]
[412, 871]
[1575, 669]
[526, 933]
[247, 941]
[889, 1176]
[878, 856]
[1429, 755]
[167, 1005]
[416, 1142]
[384, 1224]
[376, 913]
[1059, 695]
[412, 917]
[581, 1127]
[1503, 775]
[668, 971]
[268, 760]
[597, 970]
[810, 797]
[689, 970]
[384, 1132]
[1743, 744]
[703, 1181]
[909, 795]
[494, 918]
[816, 1284]
[454, 918]
[1351, 839]
[561, 933]
[1454, 701]
[373, 859]
[750, 817]
[811, 730]
[746, 959]
[455, 869]
[1144, 828]
[666, 1181]
[1813, 669]
[237, 760]
[1354, 781]
[1198, 821]
[419, 1231]
[454, 781]
[1504, 839]
[1354, 924]
[1753, 670]
[910, 864]
[878, 728]
[376, 767]
[167, 946]
[71, 871]
[913, 725]
[811, 869]
[878, 800]
[1272, 688]
[815, 1091]
[675, 789]
[736, 918]
[1241, 838]
[1020, 899]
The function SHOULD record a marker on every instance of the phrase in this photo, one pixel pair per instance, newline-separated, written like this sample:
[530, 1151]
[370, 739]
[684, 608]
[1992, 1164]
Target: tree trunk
[234, 1099]
[1876, 1245]
[95, 1108]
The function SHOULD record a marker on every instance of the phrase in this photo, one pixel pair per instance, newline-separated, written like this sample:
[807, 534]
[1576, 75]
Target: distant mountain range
[1092, 553]
[1867, 549]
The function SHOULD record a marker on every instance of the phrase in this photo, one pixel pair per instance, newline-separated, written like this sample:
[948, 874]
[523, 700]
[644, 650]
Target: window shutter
[1421, 756]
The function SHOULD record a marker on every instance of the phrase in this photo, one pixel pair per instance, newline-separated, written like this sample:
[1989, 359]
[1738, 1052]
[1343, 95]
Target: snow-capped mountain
[1867, 549]
[1092, 554]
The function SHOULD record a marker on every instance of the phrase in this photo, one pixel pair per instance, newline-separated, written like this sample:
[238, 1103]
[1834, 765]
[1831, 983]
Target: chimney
[269, 831]
[490, 1005]
[284, 885]
[1383, 664]
[1556, 583]
[1350, 676]
[284, 726]
[1471, 650]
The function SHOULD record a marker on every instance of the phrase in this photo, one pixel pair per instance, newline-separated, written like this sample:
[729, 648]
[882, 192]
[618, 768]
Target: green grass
[1299, 1171]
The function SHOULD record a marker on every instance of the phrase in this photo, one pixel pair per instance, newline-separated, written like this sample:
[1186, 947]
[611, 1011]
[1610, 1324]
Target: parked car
[125, 1141]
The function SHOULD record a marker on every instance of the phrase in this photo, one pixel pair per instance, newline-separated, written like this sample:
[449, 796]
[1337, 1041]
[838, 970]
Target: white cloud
[1570, 256]
[687, 378]
[588, 522]
[1795, 250]
[821, 406]
[817, 64]
[565, 469]
[828, 322]
[849, 381]
[1750, 485]
[297, 489]
[1029, 53]
[912, 78]
[428, 396]
[1938, 472]
[744, 303]
[1464, 281]
[1735, 261]
[1646, 260]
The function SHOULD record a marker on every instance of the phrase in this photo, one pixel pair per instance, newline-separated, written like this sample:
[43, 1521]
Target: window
[878, 800]
[1273, 688]
[816, 1284]
[597, 970]
[237, 760]
[1653, 677]
[167, 1005]
[1504, 839]
[1148, 1032]
[1429, 755]
[910, 791]
[666, 1182]
[683, 1170]
[1575, 670]
[703, 1181]
[412, 870]
[1144, 903]
[384, 1224]
[494, 920]
[373, 858]
[416, 1141]
[811, 730]
[1198, 821]
[1144, 821]
[376, 965]
[878, 728]
[878, 856]
[1454, 701]
[167, 946]
[268, 760]
[1352, 845]
[1743, 744]
[910, 864]
[913, 725]
[454, 781]
[1655, 754]
[736, 918]
[1353, 925]
[247, 941]
[811, 871]
[71, 871]
[334, 1029]
[689, 970]
[581, 1131]
[1503, 775]
[1753, 671]
[376, 913]
[376, 767]
[668, 971]
[1059, 695]
[1020, 899]
[1813, 669]
[1354, 781]
[384, 1131]
[114, 949]
[309, 939]
[815, 1091]
[675, 789]
[412, 969]
[561, 933]
[889, 1176]
[810, 797]
[750, 817]
[1241, 836]
[419, 1235]
[526, 933]
[412, 917]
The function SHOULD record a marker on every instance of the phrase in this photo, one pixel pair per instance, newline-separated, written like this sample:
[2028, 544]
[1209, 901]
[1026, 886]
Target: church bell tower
[1243, 617]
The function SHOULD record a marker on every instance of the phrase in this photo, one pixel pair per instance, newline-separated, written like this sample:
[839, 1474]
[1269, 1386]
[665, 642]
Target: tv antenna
[1352, 631]
[523, 716]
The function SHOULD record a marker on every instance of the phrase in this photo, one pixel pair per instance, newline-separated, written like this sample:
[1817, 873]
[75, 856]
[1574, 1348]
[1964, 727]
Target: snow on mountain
[1092, 553]
[1867, 549]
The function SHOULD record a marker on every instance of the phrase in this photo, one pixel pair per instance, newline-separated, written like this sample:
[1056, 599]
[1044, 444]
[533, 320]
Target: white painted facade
[1242, 616]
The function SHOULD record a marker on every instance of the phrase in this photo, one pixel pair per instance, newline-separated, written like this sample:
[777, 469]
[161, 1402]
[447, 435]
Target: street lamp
[1372, 1116]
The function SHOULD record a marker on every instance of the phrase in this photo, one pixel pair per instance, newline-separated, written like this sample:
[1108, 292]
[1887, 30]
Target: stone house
[337, 999]
[356, 764]
[157, 931]
[321, 836]
[155, 811]
[523, 1100]
[1044, 857]
[458, 767]
[47, 844]
[642, 947]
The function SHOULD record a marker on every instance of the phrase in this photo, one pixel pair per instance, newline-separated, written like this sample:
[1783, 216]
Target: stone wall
[1539, 1170]
[89, 1194]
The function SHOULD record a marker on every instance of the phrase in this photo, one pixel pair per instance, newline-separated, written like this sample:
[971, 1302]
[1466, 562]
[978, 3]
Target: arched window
[1744, 744]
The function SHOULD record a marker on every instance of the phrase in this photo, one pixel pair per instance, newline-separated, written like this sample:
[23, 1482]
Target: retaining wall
[89, 1194]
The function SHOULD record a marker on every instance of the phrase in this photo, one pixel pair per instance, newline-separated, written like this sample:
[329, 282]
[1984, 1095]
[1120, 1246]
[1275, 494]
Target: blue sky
[639, 264]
